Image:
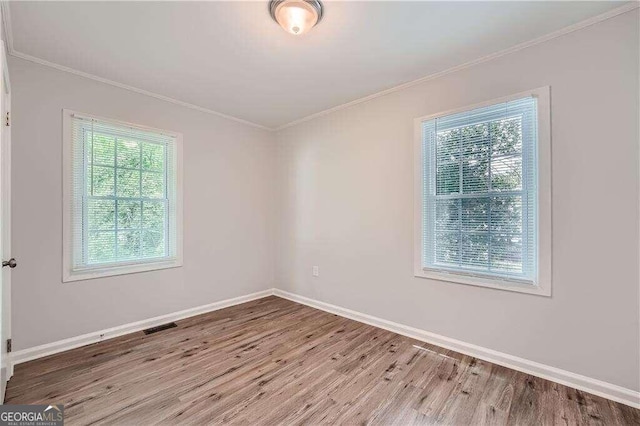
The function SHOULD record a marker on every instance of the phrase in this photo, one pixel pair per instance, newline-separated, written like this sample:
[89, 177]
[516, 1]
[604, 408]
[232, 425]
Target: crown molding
[6, 20]
[59, 67]
[563, 31]
[6, 25]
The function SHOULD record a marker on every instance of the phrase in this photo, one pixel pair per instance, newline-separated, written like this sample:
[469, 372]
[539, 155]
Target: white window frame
[542, 286]
[68, 273]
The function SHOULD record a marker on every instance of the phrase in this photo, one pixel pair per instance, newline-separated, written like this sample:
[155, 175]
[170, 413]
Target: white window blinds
[124, 195]
[479, 200]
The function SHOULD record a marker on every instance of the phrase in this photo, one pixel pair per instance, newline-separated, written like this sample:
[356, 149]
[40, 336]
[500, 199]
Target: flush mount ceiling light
[296, 16]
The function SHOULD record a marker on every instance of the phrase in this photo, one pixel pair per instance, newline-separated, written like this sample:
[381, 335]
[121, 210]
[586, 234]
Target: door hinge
[8, 121]
[8, 345]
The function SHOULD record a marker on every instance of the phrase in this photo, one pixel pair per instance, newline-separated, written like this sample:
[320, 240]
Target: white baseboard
[567, 378]
[36, 352]
[587, 384]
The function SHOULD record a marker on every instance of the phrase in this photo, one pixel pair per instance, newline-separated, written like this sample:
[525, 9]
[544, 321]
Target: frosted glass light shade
[297, 16]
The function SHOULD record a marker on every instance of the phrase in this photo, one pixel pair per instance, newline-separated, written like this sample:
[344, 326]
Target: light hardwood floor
[272, 361]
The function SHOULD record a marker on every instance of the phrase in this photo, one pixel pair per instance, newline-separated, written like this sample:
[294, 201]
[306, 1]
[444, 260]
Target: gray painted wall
[337, 192]
[346, 184]
[229, 210]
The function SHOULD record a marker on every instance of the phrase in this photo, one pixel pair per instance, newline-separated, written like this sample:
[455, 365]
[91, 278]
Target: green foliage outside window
[126, 198]
[478, 184]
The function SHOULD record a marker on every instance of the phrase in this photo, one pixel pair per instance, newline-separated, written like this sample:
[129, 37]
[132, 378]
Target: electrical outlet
[316, 271]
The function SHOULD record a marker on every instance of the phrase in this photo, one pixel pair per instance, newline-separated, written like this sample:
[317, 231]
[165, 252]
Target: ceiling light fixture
[296, 16]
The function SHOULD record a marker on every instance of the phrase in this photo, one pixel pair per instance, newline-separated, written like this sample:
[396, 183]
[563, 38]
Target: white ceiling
[232, 58]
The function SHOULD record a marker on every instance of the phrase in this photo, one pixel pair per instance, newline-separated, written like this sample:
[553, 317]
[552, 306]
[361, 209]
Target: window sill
[498, 284]
[109, 271]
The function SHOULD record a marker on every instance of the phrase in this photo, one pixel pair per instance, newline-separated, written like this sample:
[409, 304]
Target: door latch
[11, 263]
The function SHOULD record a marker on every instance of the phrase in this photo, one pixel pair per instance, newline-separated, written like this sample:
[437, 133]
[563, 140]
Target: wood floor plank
[272, 361]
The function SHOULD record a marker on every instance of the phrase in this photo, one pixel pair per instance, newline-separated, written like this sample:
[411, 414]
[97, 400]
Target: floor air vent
[160, 328]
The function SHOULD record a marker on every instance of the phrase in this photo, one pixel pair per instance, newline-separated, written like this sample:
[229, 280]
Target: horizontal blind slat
[124, 194]
[480, 191]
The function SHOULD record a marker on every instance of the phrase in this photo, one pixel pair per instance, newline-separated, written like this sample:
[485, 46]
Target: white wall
[229, 210]
[344, 187]
[346, 184]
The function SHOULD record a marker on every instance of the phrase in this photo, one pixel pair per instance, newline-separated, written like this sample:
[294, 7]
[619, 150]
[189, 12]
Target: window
[483, 182]
[122, 208]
